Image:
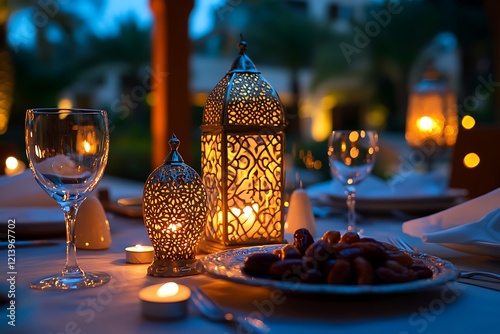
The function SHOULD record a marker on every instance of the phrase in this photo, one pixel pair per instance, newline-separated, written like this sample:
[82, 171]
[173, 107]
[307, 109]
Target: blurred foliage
[44, 70]
[276, 33]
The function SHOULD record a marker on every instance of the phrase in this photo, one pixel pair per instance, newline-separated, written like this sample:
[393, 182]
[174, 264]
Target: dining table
[453, 307]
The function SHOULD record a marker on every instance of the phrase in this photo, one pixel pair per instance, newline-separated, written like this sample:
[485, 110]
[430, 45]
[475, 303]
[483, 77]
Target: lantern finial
[243, 64]
[174, 157]
[242, 45]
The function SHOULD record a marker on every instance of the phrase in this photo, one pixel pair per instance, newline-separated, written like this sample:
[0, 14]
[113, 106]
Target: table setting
[217, 252]
[129, 301]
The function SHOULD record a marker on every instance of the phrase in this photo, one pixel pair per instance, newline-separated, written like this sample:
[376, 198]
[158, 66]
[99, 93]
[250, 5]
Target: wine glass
[68, 151]
[351, 155]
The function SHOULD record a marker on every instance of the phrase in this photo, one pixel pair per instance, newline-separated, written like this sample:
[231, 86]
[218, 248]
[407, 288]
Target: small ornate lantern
[174, 207]
[242, 161]
[431, 121]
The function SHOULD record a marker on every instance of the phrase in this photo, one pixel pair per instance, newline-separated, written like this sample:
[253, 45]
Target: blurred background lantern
[174, 205]
[243, 159]
[432, 120]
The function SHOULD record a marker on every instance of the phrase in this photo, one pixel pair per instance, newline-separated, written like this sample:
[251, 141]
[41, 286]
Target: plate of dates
[345, 264]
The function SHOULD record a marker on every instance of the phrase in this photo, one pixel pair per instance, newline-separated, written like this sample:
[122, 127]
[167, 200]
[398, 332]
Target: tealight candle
[139, 254]
[164, 301]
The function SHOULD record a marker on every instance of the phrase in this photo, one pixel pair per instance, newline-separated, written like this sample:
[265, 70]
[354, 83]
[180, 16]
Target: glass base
[58, 282]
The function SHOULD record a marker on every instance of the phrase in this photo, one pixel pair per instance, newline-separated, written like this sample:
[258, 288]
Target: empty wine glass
[68, 151]
[351, 155]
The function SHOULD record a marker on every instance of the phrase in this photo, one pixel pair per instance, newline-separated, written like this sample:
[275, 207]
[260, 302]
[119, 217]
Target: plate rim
[451, 274]
[490, 249]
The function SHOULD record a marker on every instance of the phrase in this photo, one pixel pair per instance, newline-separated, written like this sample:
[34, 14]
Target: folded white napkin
[22, 190]
[477, 220]
[38, 215]
[412, 186]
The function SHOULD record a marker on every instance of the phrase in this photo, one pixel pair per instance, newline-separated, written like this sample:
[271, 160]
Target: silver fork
[404, 245]
[213, 312]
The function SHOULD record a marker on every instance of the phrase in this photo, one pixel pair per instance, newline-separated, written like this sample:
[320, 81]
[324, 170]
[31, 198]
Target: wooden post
[171, 111]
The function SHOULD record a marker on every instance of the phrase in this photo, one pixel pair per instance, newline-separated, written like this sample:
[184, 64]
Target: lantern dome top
[432, 81]
[243, 64]
[243, 97]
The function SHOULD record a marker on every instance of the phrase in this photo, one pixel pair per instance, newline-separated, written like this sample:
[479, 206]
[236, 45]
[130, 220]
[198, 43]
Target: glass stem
[351, 203]
[71, 268]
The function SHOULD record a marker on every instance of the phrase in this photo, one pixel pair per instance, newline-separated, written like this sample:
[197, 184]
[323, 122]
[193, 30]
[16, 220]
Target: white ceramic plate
[413, 204]
[33, 222]
[477, 248]
[227, 265]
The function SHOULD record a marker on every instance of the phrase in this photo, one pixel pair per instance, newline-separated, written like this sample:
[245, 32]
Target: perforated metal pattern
[211, 153]
[254, 184]
[174, 207]
[212, 114]
[251, 101]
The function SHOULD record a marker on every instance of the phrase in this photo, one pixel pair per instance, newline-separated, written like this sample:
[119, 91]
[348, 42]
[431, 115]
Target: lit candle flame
[11, 163]
[425, 124]
[86, 146]
[168, 289]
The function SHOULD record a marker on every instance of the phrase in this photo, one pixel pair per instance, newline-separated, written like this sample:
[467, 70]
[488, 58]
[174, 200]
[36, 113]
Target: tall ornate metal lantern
[242, 161]
[174, 207]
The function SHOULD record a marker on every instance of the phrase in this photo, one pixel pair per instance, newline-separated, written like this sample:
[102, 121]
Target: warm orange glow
[242, 222]
[354, 152]
[3, 123]
[86, 140]
[65, 103]
[432, 117]
[468, 122]
[168, 289]
[353, 136]
[86, 146]
[426, 124]
[471, 160]
[11, 163]
[199, 99]
[318, 164]
[13, 166]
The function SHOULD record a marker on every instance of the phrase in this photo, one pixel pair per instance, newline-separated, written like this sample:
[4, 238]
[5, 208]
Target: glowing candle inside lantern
[242, 222]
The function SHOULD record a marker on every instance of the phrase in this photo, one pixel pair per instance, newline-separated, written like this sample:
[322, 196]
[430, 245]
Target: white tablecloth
[115, 307]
